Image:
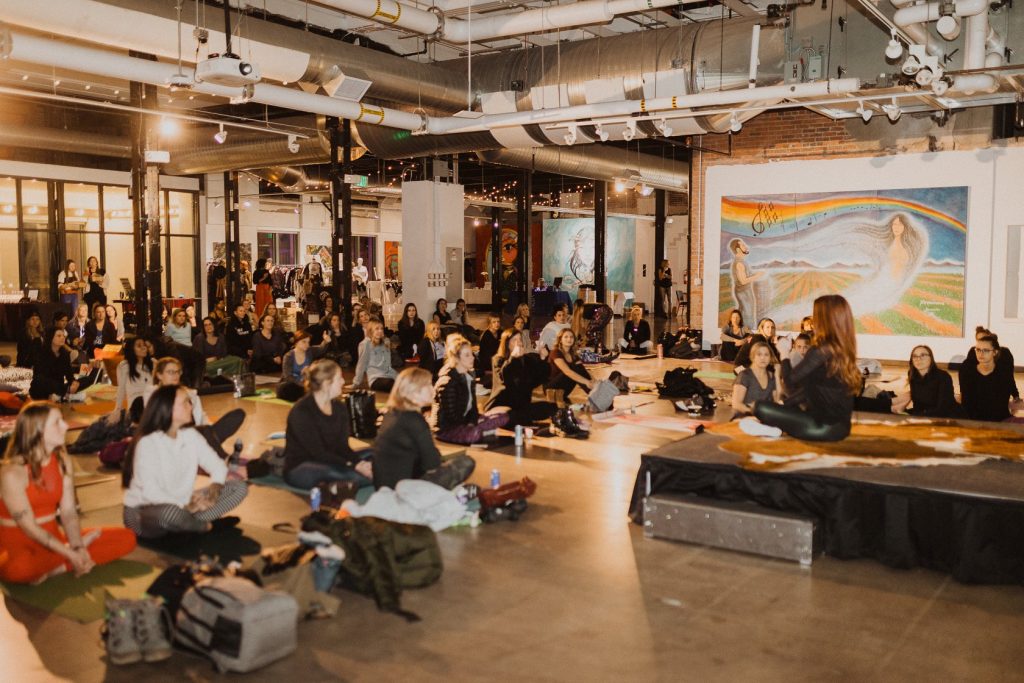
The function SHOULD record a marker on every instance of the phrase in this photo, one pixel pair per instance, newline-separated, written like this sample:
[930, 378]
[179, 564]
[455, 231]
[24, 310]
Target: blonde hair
[408, 383]
[369, 329]
[636, 309]
[26, 442]
[319, 373]
[453, 345]
[431, 325]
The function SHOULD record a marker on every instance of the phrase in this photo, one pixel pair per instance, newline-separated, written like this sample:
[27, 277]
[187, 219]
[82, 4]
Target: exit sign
[357, 180]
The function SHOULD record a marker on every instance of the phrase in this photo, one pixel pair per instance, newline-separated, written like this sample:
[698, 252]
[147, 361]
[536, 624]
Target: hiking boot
[151, 629]
[119, 633]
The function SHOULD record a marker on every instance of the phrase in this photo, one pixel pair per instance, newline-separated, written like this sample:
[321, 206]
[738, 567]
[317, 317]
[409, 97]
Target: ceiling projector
[228, 70]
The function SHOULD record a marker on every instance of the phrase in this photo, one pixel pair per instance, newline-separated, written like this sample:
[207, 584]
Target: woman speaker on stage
[821, 387]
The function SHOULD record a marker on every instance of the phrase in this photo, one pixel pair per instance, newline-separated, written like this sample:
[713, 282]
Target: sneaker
[119, 633]
[151, 630]
[481, 390]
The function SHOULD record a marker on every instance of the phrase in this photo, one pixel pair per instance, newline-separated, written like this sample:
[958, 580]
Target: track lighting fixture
[220, 136]
[735, 125]
[665, 129]
[893, 111]
[630, 131]
[602, 134]
[570, 137]
[894, 49]
[865, 113]
[293, 144]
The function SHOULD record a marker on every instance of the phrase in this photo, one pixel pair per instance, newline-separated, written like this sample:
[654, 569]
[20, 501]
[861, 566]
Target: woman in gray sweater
[375, 359]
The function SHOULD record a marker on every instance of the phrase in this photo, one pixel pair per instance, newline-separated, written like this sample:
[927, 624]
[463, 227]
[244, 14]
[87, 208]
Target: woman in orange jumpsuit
[35, 485]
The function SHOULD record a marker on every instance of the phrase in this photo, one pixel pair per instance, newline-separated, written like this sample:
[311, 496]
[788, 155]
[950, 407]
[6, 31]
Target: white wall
[996, 200]
[432, 219]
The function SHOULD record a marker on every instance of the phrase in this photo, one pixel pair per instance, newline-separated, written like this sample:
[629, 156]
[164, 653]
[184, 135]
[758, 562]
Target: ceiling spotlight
[570, 137]
[894, 49]
[645, 190]
[665, 129]
[865, 113]
[293, 144]
[735, 125]
[620, 185]
[630, 131]
[168, 127]
[893, 111]
[602, 134]
[220, 136]
[940, 86]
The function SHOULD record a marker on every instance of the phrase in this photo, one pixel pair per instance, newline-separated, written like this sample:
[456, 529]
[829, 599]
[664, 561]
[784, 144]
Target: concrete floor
[574, 592]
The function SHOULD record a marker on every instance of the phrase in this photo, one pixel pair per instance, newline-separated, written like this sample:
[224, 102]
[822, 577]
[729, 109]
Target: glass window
[8, 204]
[182, 267]
[9, 260]
[34, 205]
[180, 213]
[80, 246]
[281, 247]
[82, 208]
[117, 210]
[39, 260]
[120, 263]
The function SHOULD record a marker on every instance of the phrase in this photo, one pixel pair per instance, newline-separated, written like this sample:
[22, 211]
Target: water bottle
[237, 381]
[314, 498]
[519, 436]
[495, 478]
[661, 351]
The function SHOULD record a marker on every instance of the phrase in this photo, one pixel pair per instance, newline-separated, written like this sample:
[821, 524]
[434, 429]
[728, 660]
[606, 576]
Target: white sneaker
[481, 390]
[754, 427]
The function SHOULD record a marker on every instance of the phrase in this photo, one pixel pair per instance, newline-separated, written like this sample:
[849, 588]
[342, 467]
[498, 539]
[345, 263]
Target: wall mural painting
[245, 249]
[569, 253]
[392, 260]
[898, 256]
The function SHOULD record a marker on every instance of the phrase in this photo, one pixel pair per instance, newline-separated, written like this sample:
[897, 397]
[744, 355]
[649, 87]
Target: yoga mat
[94, 407]
[275, 482]
[267, 396]
[82, 598]
[226, 541]
[715, 374]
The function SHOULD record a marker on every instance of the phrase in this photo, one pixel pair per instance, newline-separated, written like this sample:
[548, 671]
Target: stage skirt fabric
[975, 539]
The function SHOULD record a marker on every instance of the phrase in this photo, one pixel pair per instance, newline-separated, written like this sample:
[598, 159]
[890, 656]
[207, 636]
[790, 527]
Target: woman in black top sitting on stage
[986, 392]
[825, 381]
[410, 331]
[405, 448]
[931, 388]
[1004, 359]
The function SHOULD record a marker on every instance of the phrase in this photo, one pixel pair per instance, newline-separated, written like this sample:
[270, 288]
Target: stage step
[745, 527]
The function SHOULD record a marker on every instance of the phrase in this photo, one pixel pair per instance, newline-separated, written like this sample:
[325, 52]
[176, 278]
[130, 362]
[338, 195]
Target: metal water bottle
[314, 498]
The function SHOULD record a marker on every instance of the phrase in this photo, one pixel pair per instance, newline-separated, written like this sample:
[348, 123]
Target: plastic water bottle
[519, 436]
[314, 498]
[495, 478]
[661, 351]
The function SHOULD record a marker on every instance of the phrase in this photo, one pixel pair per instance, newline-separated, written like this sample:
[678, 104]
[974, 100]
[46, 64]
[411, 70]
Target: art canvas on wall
[244, 248]
[898, 256]
[392, 260]
[569, 252]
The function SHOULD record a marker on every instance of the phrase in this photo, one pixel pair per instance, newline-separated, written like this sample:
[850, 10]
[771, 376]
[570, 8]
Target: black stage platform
[967, 520]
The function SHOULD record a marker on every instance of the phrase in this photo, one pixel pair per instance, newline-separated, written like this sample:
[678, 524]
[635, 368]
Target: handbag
[246, 384]
[362, 412]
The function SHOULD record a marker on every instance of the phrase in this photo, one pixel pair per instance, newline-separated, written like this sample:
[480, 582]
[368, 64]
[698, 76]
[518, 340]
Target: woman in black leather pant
[820, 387]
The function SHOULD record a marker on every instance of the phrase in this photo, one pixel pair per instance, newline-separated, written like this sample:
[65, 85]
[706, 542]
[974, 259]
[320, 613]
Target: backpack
[681, 383]
[112, 455]
[236, 624]
[381, 557]
[362, 413]
[270, 462]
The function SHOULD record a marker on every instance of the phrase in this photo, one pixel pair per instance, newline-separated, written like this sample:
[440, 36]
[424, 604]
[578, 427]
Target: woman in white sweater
[162, 467]
[134, 375]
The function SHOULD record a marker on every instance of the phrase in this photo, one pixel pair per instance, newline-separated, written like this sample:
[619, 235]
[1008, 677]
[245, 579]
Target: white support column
[431, 222]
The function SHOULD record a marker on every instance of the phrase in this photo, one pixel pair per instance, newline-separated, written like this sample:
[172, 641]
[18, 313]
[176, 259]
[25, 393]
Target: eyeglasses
[983, 351]
[919, 356]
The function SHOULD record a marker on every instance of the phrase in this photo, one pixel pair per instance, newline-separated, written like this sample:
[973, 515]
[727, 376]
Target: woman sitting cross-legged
[316, 439]
[636, 335]
[54, 374]
[410, 331]
[162, 467]
[134, 374]
[302, 355]
[338, 346]
[214, 349]
[566, 370]
[405, 448]
[431, 349]
[269, 346]
[375, 359]
[820, 389]
[458, 419]
[39, 524]
[931, 388]
[986, 391]
[515, 374]
[167, 373]
[757, 382]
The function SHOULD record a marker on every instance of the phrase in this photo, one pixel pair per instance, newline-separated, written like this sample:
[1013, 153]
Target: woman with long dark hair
[931, 388]
[98, 331]
[214, 349]
[820, 390]
[514, 376]
[268, 346]
[410, 331]
[986, 393]
[97, 282]
[262, 280]
[39, 523]
[134, 374]
[734, 334]
[116, 321]
[162, 466]
[53, 374]
[30, 341]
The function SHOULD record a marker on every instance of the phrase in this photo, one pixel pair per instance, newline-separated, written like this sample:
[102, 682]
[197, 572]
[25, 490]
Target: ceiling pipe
[435, 24]
[283, 54]
[605, 163]
[59, 140]
[288, 178]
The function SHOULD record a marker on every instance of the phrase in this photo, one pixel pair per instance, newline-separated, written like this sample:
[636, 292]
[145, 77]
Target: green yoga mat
[268, 396]
[714, 374]
[82, 598]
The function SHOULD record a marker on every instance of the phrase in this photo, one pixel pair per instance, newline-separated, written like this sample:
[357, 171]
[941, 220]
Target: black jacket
[312, 436]
[515, 379]
[824, 396]
[52, 374]
[28, 349]
[408, 335]
[634, 338]
[238, 335]
[456, 406]
[428, 361]
[489, 344]
[404, 449]
[932, 395]
[96, 338]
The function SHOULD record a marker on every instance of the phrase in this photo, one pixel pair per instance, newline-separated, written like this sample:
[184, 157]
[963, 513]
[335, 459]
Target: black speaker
[1008, 121]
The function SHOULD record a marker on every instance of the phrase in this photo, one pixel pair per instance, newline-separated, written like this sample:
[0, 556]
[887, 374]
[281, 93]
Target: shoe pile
[564, 423]
[137, 630]
[506, 502]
